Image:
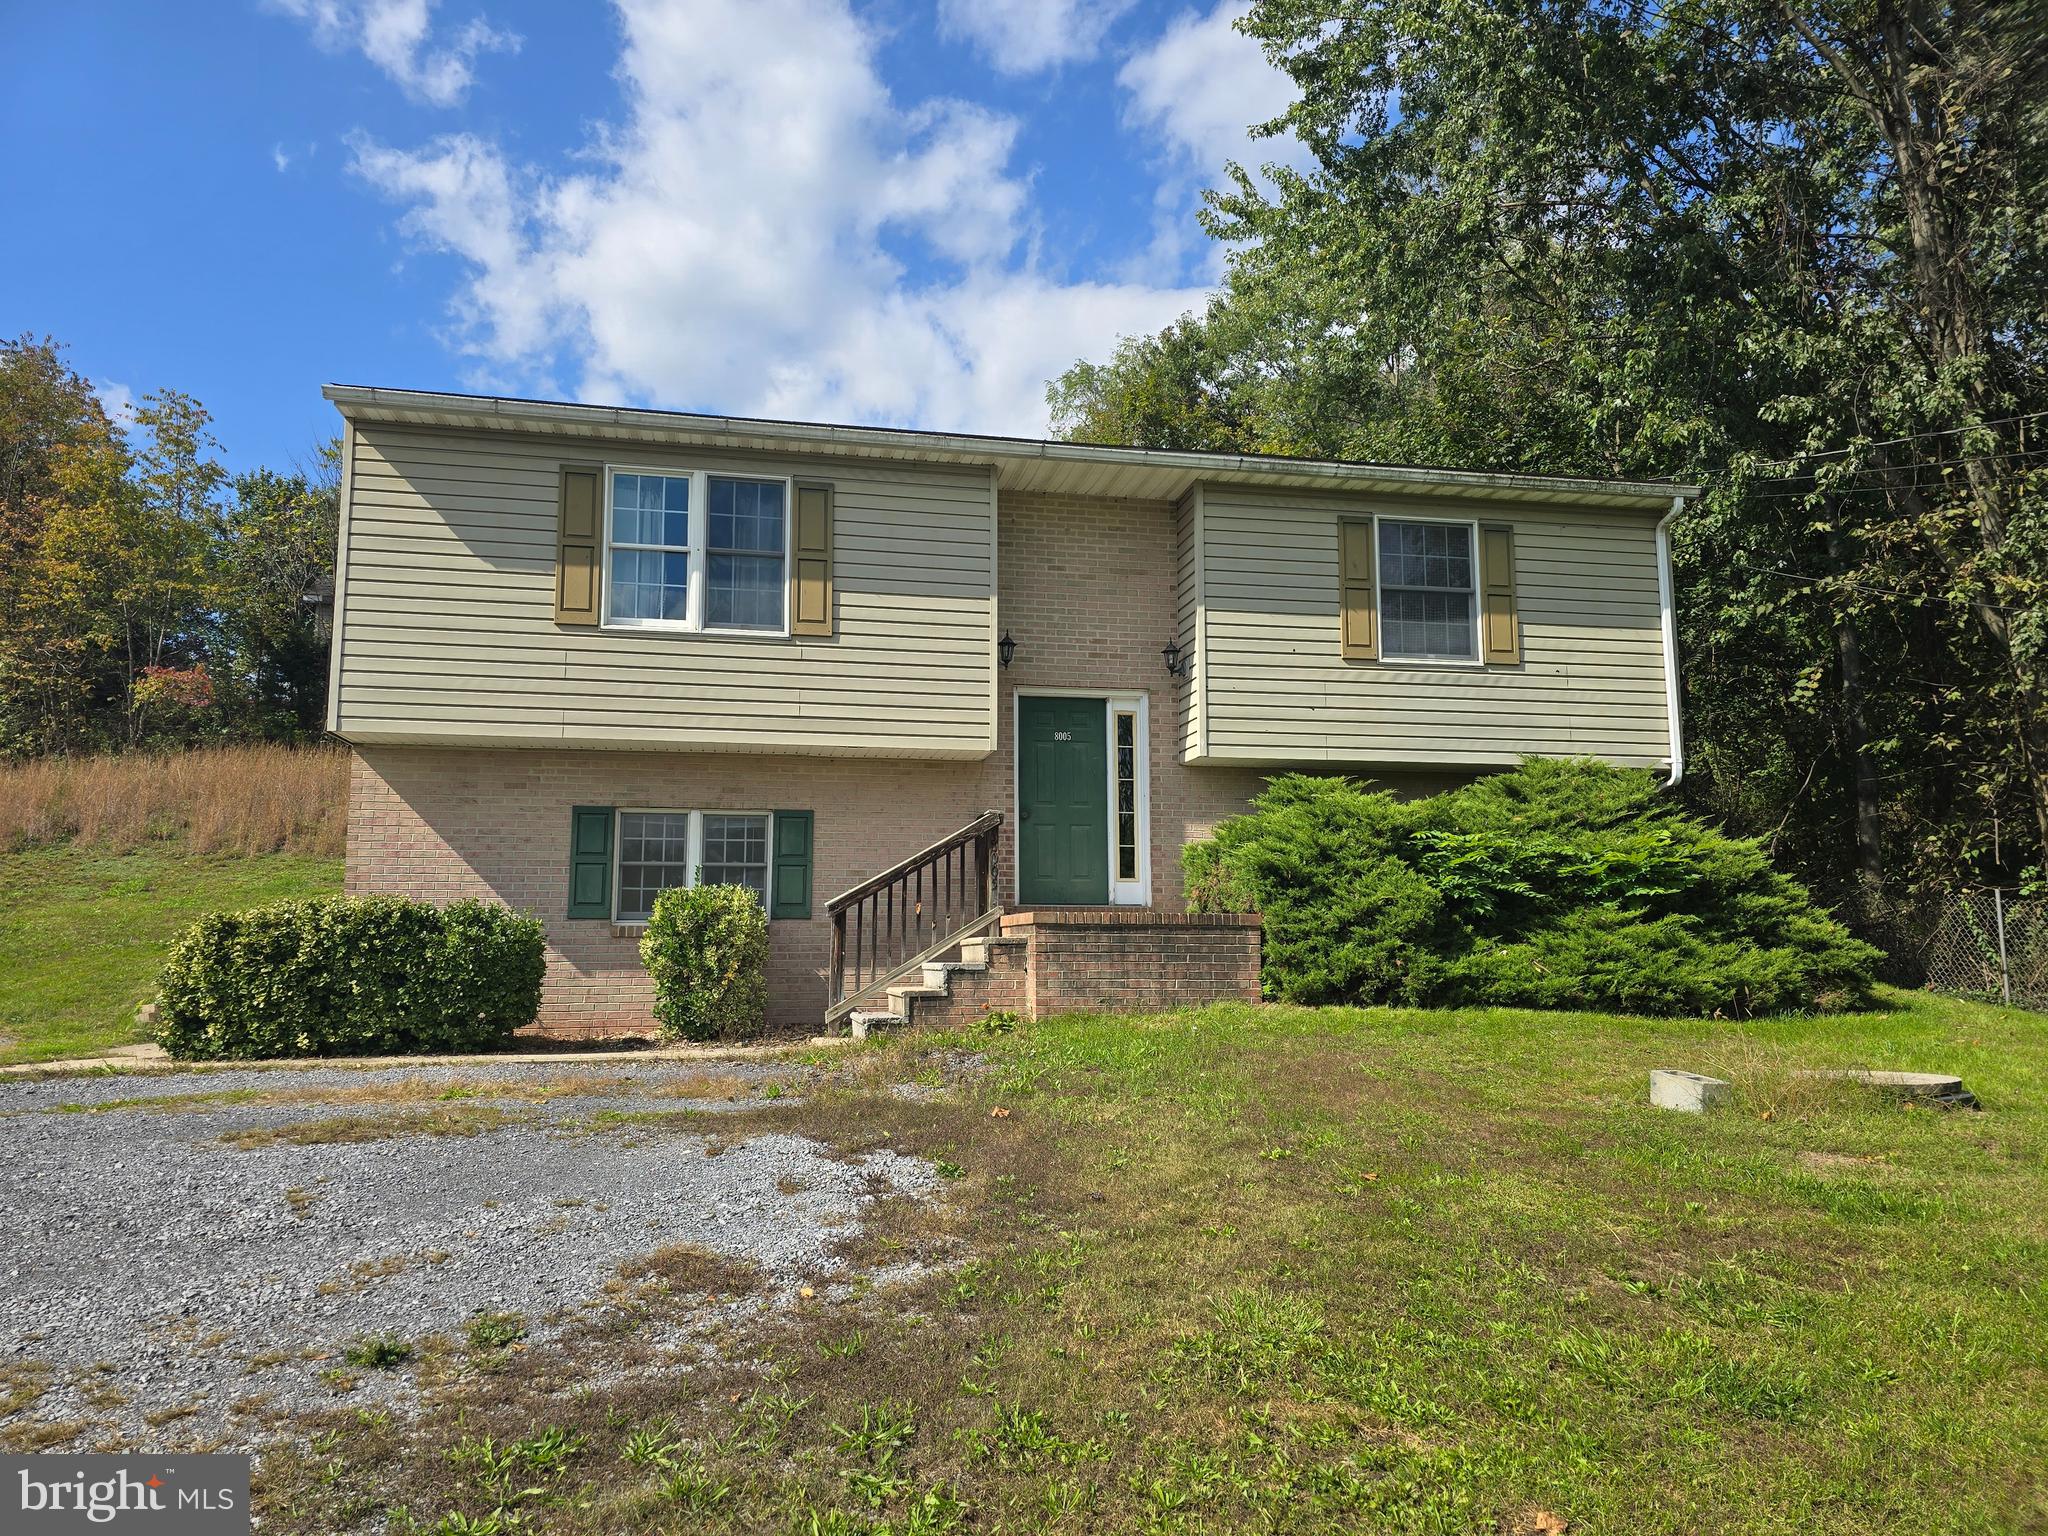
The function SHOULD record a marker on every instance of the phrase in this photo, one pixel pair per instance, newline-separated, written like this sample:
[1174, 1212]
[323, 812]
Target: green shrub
[350, 976]
[1564, 884]
[706, 947]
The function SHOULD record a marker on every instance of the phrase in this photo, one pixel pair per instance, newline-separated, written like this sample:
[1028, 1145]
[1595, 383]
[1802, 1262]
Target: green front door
[1062, 802]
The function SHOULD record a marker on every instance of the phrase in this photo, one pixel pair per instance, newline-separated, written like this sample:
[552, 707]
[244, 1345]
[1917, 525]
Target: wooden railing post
[910, 912]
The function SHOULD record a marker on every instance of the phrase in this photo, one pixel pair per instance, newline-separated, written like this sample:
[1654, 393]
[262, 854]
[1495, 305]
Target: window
[736, 853]
[1426, 590]
[697, 551]
[1126, 795]
[650, 548]
[659, 849]
[745, 588]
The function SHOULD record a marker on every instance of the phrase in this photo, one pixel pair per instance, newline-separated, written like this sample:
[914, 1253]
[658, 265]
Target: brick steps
[1075, 960]
[987, 975]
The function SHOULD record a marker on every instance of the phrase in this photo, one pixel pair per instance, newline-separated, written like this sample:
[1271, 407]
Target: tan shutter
[1357, 603]
[810, 574]
[1500, 628]
[577, 537]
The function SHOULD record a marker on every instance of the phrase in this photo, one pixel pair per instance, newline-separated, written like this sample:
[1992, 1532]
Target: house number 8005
[1062, 735]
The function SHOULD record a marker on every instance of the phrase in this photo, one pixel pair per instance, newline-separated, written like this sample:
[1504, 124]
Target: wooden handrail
[988, 821]
[891, 923]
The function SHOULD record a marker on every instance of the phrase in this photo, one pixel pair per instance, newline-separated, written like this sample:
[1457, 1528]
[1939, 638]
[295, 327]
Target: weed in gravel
[378, 1351]
[496, 1330]
[21, 1386]
[29, 1437]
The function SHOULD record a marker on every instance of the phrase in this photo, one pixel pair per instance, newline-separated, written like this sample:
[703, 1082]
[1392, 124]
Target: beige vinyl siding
[448, 632]
[1275, 687]
[1186, 576]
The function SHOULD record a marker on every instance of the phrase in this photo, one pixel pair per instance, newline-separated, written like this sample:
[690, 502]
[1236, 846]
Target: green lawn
[82, 934]
[1278, 1269]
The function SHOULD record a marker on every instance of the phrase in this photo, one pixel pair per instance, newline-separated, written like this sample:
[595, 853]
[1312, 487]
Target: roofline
[1656, 495]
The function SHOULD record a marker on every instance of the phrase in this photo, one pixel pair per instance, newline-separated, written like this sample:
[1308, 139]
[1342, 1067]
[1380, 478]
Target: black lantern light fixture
[1176, 663]
[1006, 648]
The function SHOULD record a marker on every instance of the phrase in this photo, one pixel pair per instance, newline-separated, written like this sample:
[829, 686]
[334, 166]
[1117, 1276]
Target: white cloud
[765, 231]
[1198, 90]
[397, 37]
[118, 401]
[1021, 37]
[1203, 86]
[281, 158]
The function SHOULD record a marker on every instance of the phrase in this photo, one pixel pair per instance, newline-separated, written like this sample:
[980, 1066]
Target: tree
[1795, 252]
[274, 547]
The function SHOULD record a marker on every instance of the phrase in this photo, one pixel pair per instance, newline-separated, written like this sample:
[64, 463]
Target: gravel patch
[152, 1276]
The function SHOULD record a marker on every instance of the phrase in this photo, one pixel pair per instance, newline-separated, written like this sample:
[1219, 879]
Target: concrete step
[861, 1020]
[940, 973]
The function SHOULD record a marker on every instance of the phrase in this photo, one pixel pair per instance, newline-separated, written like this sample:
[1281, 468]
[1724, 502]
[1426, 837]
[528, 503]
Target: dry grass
[687, 1267]
[249, 799]
[450, 1120]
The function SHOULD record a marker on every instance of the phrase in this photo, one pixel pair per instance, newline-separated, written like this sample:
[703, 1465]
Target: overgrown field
[84, 931]
[1263, 1269]
[243, 799]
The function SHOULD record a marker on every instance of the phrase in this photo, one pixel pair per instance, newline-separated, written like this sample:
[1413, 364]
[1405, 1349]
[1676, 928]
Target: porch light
[1176, 664]
[1005, 648]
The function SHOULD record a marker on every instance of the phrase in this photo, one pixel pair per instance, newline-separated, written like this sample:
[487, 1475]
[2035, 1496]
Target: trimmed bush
[707, 949]
[1564, 884]
[350, 976]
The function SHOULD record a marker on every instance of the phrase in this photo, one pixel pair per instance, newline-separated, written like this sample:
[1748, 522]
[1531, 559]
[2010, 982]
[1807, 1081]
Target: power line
[1861, 586]
[1916, 465]
[1893, 442]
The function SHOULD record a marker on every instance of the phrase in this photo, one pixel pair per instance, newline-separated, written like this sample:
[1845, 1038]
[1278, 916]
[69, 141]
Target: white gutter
[1669, 622]
[979, 448]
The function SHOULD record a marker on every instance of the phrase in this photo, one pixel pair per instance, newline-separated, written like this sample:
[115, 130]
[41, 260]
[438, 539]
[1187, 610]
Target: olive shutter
[810, 575]
[1356, 602]
[1500, 628]
[792, 865]
[577, 534]
[590, 861]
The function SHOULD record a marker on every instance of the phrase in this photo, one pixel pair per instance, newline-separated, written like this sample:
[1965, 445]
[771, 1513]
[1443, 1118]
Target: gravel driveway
[186, 1271]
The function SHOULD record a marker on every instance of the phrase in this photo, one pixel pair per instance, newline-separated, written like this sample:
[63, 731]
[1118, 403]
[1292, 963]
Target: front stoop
[1076, 959]
[987, 976]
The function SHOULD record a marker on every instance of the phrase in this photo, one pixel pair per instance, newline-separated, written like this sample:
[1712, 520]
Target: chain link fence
[1991, 945]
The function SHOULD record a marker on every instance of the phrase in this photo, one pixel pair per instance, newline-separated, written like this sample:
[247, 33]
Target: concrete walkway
[148, 1059]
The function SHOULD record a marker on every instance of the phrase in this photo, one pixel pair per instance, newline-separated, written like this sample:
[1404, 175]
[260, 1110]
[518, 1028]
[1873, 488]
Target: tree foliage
[146, 597]
[1796, 252]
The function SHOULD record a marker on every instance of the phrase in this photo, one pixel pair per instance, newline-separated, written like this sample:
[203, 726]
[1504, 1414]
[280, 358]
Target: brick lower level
[440, 823]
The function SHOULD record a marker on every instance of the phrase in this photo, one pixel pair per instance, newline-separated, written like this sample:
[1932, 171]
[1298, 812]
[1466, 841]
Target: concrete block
[1688, 1091]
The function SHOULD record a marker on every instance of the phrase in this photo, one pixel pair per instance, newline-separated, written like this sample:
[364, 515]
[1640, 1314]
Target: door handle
[1023, 815]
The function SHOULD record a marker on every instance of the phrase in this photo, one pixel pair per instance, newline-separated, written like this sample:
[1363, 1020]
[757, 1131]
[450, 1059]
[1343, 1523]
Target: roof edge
[352, 399]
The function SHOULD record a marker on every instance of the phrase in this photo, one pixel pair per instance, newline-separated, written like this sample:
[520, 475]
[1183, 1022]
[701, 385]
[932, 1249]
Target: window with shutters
[660, 849]
[696, 551]
[1428, 590]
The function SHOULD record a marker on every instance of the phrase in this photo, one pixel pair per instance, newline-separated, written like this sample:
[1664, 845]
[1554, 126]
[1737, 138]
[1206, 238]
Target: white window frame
[1122, 893]
[698, 550]
[1476, 659]
[694, 858]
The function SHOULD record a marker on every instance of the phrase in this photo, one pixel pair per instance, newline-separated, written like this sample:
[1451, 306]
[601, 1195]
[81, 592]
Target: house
[940, 699]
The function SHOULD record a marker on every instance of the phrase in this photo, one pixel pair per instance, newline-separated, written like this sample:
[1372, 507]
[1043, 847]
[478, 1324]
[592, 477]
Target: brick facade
[1085, 586]
[1082, 958]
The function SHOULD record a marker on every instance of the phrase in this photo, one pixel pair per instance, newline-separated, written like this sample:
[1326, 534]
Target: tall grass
[248, 799]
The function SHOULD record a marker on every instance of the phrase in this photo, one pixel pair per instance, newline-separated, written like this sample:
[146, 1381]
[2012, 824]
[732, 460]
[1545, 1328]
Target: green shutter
[590, 861]
[792, 865]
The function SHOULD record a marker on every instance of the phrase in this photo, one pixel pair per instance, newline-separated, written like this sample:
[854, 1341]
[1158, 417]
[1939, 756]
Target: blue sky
[911, 213]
